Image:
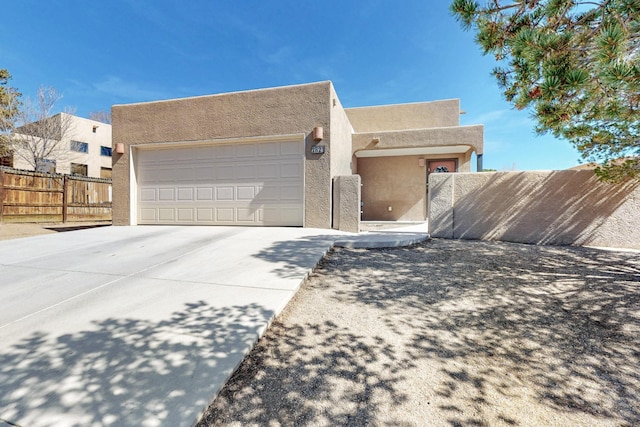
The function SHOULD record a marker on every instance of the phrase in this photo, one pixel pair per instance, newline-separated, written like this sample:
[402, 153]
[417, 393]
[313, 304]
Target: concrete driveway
[138, 326]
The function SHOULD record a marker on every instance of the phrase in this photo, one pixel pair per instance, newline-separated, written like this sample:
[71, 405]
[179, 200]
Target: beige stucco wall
[266, 112]
[341, 132]
[405, 116]
[472, 136]
[550, 207]
[396, 182]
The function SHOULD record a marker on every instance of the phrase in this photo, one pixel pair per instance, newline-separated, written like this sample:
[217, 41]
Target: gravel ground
[449, 333]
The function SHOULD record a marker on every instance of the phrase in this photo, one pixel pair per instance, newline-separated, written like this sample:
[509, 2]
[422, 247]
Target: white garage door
[236, 184]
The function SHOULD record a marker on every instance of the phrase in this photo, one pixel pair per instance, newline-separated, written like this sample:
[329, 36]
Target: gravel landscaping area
[449, 333]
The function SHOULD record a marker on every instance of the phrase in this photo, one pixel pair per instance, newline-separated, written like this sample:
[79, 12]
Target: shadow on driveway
[126, 372]
[292, 255]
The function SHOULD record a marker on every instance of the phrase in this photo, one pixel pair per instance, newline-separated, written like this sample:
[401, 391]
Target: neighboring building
[288, 156]
[84, 149]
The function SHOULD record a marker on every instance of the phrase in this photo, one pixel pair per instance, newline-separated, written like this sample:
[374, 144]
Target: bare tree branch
[101, 116]
[42, 136]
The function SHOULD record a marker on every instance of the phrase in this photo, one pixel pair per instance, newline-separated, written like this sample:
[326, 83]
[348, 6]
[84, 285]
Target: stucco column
[346, 203]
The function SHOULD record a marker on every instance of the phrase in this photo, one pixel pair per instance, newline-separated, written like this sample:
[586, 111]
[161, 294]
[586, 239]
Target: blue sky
[100, 53]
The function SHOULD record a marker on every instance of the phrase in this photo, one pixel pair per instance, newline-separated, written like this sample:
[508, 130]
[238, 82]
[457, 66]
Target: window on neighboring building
[78, 169]
[80, 147]
[45, 165]
[105, 173]
[105, 151]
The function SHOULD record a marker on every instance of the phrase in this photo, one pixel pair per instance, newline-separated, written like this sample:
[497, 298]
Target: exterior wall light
[318, 133]
[120, 148]
[375, 140]
[421, 162]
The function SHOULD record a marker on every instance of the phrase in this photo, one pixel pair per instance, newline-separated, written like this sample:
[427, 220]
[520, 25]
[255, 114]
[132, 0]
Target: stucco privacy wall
[267, 112]
[551, 207]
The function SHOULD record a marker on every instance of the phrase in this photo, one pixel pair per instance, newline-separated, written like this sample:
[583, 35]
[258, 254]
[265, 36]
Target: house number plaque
[317, 149]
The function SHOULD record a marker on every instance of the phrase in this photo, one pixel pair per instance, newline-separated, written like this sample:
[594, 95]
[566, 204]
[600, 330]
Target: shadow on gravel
[495, 322]
[126, 372]
[563, 321]
[334, 373]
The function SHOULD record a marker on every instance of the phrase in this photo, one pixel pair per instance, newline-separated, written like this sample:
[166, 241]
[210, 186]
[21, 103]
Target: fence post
[65, 192]
[1, 194]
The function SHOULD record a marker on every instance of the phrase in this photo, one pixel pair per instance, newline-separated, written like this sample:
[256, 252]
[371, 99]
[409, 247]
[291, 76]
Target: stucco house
[82, 148]
[286, 156]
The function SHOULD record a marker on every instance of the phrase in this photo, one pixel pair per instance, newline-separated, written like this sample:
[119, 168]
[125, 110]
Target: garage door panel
[166, 214]
[245, 193]
[205, 174]
[246, 150]
[224, 151]
[166, 194]
[185, 194]
[245, 184]
[224, 173]
[246, 215]
[290, 170]
[245, 171]
[268, 194]
[282, 216]
[287, 149]
[183, 174]
[270, 149]
[268, 170]
[204, 215]
[148, 195]
[225, 215]
[204, 153]
[186, 154]
[148, 214]
[224, 194]
[290, 192]
[166, 175]
[205, 193]
[185, 214]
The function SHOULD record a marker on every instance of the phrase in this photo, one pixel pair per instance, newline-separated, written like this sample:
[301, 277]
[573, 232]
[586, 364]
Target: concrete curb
[382, 240]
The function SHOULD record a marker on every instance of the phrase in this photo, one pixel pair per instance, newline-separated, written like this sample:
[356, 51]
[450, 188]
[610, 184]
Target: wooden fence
[41, 197]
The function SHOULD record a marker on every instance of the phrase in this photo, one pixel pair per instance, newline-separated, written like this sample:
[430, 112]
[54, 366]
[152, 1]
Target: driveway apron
[138, 326]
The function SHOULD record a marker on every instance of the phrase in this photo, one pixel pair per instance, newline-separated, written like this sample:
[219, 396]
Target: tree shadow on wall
[566, 207]
[563, 321]
[127, 371]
